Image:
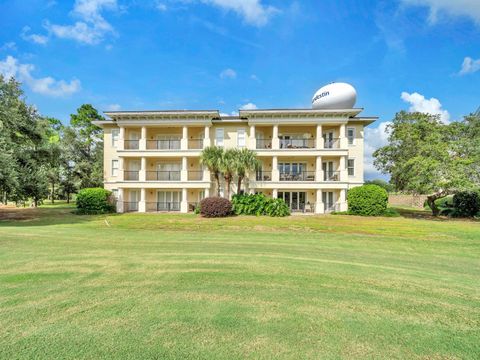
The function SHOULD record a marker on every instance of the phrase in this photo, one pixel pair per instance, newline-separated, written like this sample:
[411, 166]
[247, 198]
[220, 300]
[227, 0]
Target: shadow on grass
[410, 213]
[44, 216]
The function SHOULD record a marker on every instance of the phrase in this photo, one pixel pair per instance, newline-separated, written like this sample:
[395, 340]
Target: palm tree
[245, 161]
[211, 157]
[227, 167]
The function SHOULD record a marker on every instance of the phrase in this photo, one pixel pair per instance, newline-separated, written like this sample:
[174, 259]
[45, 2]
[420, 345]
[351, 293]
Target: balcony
[299, 176]
[331, 176]
[162, 206]
[331, 143]
[195, 175]
[195, 144]
[171, 144]
[132, 144]
[131, 175]
[264, 144]
[263, 176]
[163, 175]
[130, 206]
[297, 143]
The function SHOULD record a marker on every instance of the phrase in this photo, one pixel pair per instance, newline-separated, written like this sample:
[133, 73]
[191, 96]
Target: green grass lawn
[141, 286]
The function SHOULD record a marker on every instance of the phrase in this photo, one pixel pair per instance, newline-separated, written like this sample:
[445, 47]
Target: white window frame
[219, 141]
[114, 169]
[244, 138]
[115, 136]
[351, 167]
[353, 136]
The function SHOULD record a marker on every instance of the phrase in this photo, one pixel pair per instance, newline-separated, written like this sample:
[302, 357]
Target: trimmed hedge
[215, 207]
[466, 204]
[94, 201]
[367, 200]
[259, 204]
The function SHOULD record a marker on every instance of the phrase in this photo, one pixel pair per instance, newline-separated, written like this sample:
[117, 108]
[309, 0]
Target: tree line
[40, 157]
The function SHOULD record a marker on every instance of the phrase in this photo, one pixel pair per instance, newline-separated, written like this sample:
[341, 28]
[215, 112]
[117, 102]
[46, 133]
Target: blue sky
[228, 54]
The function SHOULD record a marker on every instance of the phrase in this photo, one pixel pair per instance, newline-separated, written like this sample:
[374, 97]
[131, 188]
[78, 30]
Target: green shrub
[215, 207]
[466, 204]
[277, 208]
[367, 200]
[95, 201]
[259, 204]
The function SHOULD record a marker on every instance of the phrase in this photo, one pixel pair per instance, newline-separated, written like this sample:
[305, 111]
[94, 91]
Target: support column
[343, 169]
[184, 172]
[121, 169]
[120, 200]
[343, 200]
[142, 205]
[143, 139]
[207, 192]
[184, 203]
[184, 141]
[343, 137]
[320, 141]
[121, 139]
[206, 139]
[319, 206]
[318, 170]
[275, 173]
[275, 193]
[275, 140]
[142, 176]
[253, 140]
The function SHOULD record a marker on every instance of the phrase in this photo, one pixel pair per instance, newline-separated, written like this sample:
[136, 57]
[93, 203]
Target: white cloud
[418, 103]
[249, 106]
[253, 12]
[160, 6]
[92, 27]
[466, 8]
[11, 45]
[228, 74]
[255, 78]
[113, 107]
[10, 67]
[375, 138]
[470, 66]
[36, 38]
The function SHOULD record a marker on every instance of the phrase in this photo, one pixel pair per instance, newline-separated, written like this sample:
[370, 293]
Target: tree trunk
[53, 192]
[239, 184]
[227, 190]
[68, 197]
[431, 201]
[217, 178]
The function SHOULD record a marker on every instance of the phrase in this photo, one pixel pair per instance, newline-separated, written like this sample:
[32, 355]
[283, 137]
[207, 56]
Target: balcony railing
[263, 176]
[163, 175]
[264, 144]
[162, 206]
[195, 144]
[331, 176]
[131, 175]
[301, 176]
[297, 143]
[331, 144]
[302, 208]
[331, 207]
[130, 206]
[132, 144]
[195, 175]
[171, 144]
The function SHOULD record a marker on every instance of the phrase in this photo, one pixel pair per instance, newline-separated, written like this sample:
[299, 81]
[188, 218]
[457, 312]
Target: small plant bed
[258, 205]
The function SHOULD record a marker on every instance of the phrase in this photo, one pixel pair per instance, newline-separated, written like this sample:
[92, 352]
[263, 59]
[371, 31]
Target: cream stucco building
[310, 158]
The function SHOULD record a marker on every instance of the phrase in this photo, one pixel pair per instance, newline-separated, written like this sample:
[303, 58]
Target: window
[219, 137]
[114, 167]
[351, 135]
[351, 167]
[115, 134]
[241, 138]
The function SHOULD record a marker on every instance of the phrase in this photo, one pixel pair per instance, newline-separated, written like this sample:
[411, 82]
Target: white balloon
[335, 96]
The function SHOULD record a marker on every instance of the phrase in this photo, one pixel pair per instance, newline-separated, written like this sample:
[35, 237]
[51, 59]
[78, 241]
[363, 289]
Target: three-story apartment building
[309, 158]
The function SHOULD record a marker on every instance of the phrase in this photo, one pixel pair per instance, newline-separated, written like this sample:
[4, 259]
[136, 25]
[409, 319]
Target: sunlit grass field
[141, 286]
